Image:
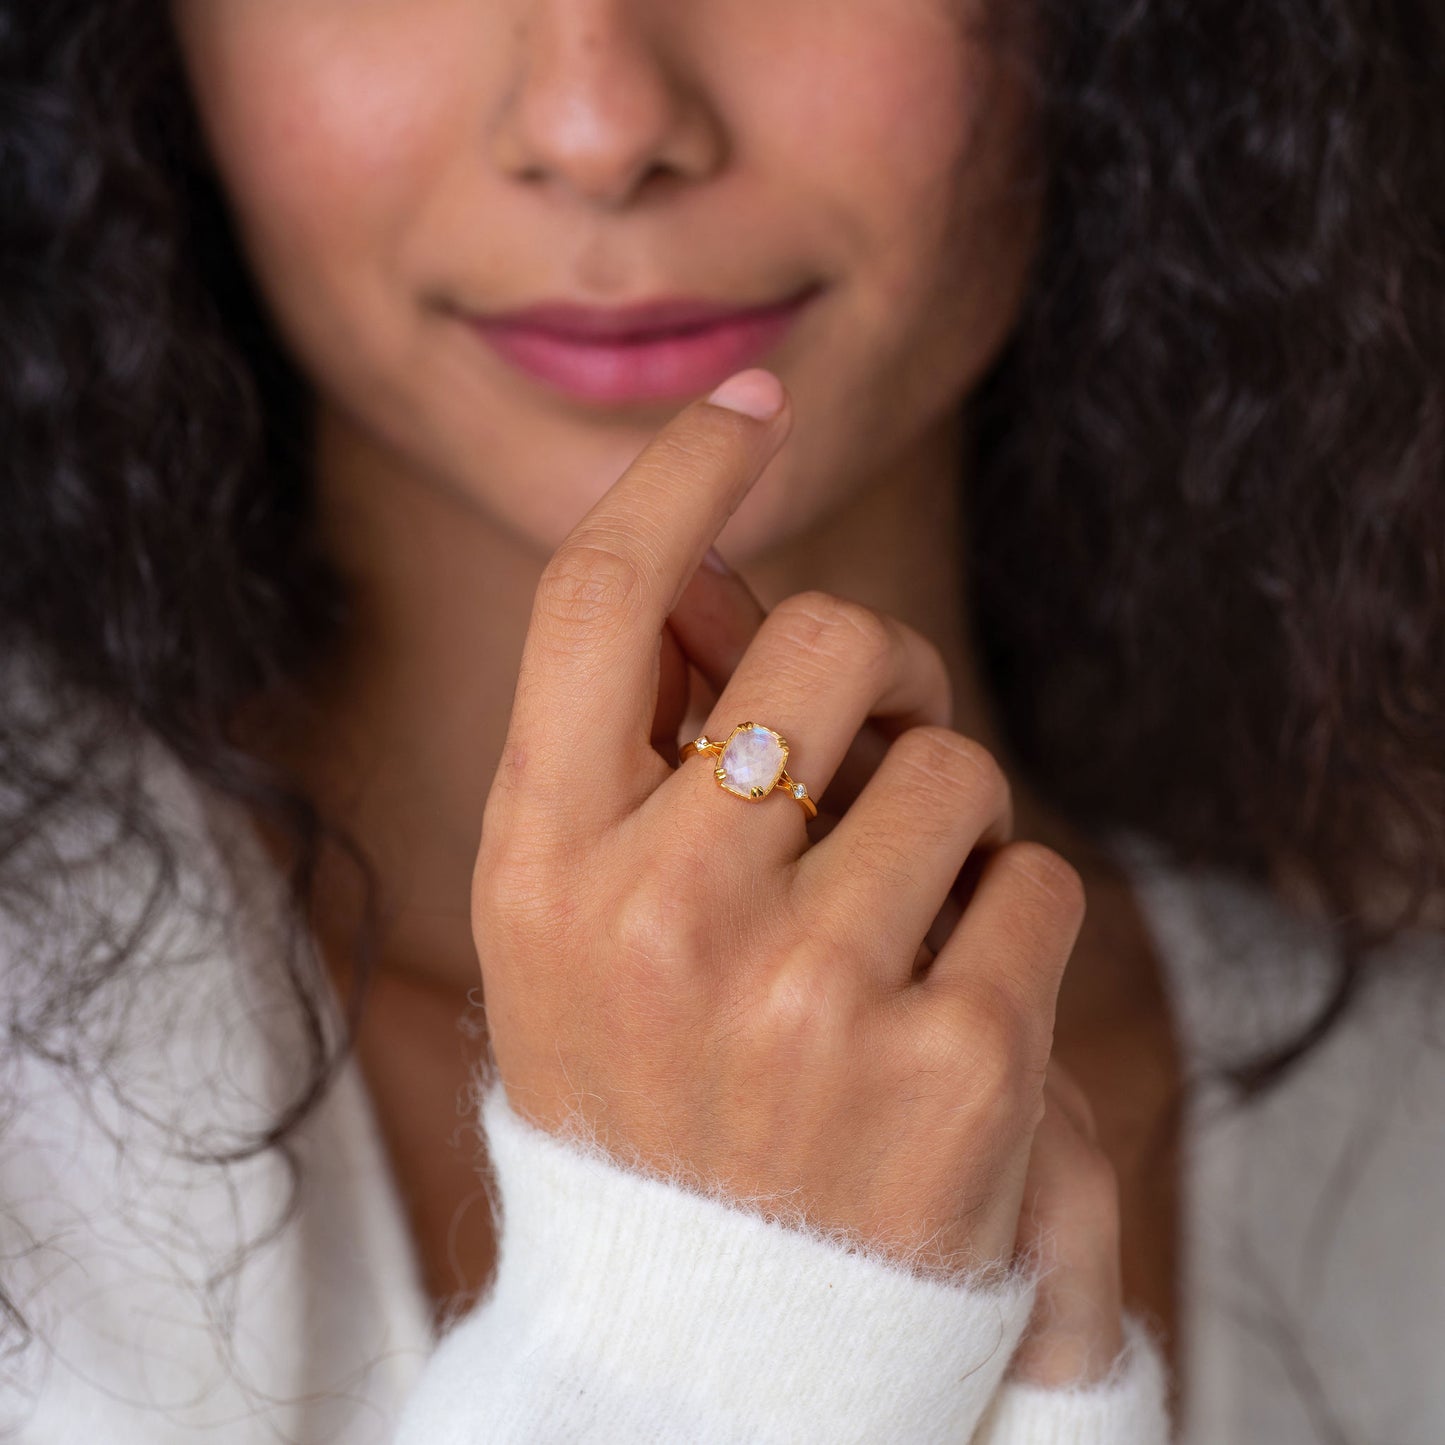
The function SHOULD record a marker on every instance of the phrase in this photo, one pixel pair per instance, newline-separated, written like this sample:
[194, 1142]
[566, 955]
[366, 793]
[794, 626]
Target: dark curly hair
[1214, 449]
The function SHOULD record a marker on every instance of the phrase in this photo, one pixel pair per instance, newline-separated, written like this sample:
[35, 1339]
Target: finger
[673, 685]
[819, 668]
[589, 661]
[715, 622]
[1009, 948]
[1070, 1215]
[1064, 1093]
[894, 857]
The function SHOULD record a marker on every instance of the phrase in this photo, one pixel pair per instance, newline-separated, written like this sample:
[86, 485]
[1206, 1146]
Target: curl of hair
[159, 556]
[1207, 521]
[1209, 526]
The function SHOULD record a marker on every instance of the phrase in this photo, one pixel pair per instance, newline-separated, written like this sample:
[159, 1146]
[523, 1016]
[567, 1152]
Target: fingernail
[755, 392]
[713, 558]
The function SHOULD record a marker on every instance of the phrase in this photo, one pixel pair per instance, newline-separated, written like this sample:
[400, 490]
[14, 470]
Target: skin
[391, 163]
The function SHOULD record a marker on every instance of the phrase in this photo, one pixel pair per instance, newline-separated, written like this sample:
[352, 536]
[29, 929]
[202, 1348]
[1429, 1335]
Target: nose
[600, 108]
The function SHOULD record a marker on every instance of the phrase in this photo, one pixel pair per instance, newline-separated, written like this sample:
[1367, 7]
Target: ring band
[751, 763]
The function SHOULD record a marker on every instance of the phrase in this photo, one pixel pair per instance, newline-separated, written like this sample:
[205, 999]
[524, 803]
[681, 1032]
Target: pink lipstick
[651, 351]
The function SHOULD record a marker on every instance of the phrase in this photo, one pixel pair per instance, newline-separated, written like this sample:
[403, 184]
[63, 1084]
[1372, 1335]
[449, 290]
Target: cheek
[894, 131]
[326, 123]
[906, 152]
[907, 145]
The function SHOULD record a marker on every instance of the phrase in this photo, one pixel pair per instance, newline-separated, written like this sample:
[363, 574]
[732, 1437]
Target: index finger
[587, 682]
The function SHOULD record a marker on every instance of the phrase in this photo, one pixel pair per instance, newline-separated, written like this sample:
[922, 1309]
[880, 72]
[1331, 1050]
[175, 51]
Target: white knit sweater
[167, 1305]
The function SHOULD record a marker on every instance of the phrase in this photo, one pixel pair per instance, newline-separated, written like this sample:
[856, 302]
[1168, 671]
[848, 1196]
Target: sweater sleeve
[627, 1305]
[1128, 1406]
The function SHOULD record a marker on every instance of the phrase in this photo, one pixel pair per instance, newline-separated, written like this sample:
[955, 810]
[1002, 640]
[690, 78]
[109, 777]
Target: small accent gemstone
[799, 791]
[752, 761]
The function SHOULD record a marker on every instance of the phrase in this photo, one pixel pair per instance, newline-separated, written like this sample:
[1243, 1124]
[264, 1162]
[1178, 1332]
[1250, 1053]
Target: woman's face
[400, 168]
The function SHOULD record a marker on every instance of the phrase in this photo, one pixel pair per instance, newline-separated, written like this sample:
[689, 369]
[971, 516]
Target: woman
[1077, 450]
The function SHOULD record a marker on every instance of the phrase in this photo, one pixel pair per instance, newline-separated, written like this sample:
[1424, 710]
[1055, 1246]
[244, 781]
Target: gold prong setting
[751, 763]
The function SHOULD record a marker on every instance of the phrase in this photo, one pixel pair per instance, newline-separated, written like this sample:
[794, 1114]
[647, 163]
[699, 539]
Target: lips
[655, 350]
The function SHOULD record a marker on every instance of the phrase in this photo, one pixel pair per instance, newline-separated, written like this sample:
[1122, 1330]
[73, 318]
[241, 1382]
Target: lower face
[400, 170]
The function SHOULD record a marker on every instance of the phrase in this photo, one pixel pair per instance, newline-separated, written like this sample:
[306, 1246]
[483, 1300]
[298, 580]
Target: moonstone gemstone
[753, 758]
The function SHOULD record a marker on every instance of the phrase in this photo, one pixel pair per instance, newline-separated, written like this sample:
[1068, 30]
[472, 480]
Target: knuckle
[513, 826]
[793, 1000]
[936, 1046]
[1002, 1009]
[691, 451]
[511, 901]
[821, 622]
[1047, 874]
[1001, 1058]
[795, 1003]
[944, 755]
[490, 894]
[649, 924]
[587, 584]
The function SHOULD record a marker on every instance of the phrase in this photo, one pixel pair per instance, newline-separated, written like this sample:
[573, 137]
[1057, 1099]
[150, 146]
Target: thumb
[672, 695]
[1071, 1210]
[710, 627]
[715, 620]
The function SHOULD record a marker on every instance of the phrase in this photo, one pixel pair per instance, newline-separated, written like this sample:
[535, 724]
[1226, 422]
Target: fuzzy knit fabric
[630, 1306]
[179, 1284]
[172, 1299]
[1127, 1404]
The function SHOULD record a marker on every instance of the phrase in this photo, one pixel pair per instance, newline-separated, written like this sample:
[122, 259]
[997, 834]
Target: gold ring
[751, 763]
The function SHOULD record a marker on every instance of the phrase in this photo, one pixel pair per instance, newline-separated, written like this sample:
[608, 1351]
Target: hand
[1071, 1208]
[679, 969]
[1070, 1213]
